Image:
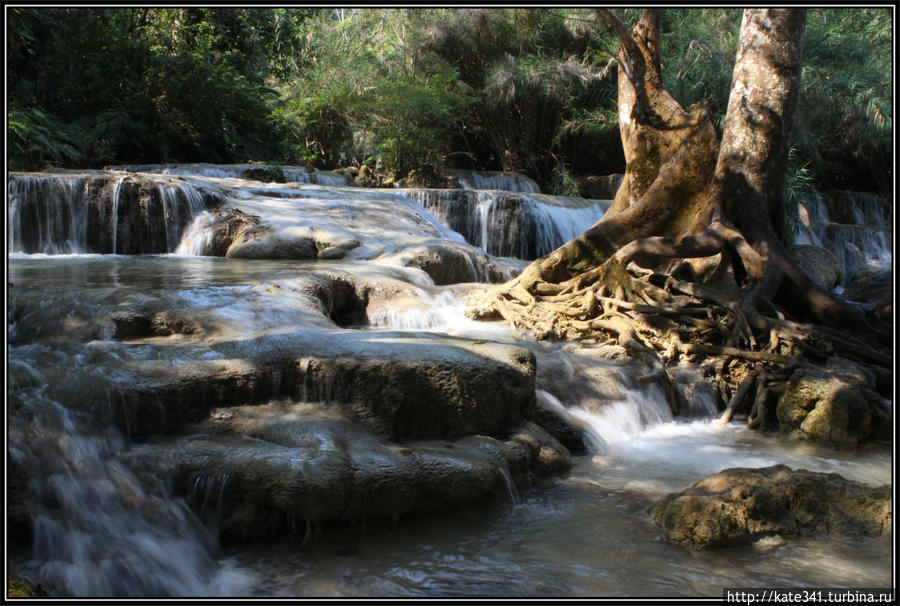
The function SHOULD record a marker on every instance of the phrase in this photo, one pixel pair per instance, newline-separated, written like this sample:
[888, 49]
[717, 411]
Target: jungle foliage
[529, 90]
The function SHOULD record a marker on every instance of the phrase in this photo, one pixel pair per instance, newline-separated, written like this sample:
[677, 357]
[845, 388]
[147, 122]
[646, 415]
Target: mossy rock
[17, 588]
[268, 174]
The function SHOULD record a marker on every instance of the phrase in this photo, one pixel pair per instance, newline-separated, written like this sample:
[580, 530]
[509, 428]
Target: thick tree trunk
[750, 172]
[760, 115]
[691, 257]
[670, 156]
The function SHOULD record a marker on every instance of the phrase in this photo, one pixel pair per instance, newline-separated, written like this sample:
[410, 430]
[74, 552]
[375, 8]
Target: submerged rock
[740, 506]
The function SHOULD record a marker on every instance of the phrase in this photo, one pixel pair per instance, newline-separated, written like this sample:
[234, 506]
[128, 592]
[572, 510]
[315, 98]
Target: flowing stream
[106, 525]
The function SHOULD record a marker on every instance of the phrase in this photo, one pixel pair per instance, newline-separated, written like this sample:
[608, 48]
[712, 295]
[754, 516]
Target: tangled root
[665, 317]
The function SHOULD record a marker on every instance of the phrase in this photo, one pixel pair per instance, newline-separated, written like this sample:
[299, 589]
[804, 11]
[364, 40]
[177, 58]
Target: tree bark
[692, 255]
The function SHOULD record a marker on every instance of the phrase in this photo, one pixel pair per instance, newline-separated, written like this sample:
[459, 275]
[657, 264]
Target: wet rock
[181, 322]
[400, 388]
[561, 428]
[740, 506]
[268, 174]
[307, 464]
[820, 264]
[229, 226]
[266, 245]
[131, 325]
[445, 264]
[344, 302]
[835, 406]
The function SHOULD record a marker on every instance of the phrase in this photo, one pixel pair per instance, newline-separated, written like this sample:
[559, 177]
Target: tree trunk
[691, 257]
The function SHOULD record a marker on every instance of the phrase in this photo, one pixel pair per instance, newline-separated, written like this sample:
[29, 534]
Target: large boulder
[835, 406]
[739, 506]
[820, 264]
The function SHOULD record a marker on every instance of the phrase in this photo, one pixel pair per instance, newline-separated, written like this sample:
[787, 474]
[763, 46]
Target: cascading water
[89, 334]
[859, 235]
[88, 213]
[47, 214]
[526, 226]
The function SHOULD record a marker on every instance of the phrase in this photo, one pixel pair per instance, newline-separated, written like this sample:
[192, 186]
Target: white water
[60, 222]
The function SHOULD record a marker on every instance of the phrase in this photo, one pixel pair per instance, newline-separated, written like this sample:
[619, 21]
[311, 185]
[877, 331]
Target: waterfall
[856, 229]
[526, 226]
[47, 214]
[99, 530]
[99, 213]
[615, 421]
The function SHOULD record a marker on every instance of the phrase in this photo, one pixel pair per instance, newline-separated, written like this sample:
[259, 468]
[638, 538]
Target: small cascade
[195, 240]
[116, 190]
[207, 498]
[471, 179]
[525, 226]
[856, 229]
[618, 414]
[47, 214]
[178, 203]
[813, 219]
[619, 421]
[510, 484]
[99, 530]
[100, 212]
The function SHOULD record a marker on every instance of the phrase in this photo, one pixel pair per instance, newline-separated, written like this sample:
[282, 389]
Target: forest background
[526, 90]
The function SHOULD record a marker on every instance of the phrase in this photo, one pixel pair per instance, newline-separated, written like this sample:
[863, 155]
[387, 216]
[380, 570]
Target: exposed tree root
[661, 319]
